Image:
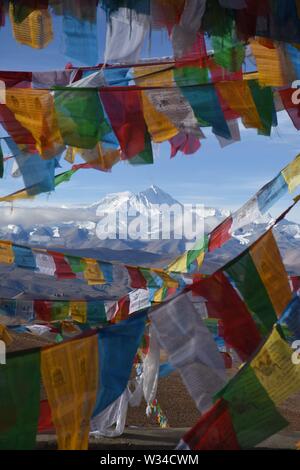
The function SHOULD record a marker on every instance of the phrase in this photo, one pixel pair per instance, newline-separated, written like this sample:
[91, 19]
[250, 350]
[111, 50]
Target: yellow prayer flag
[35, 30]
[6, 252]
[179, 265]
[238, 97]
[291, 174]
[22, 194]
[70, 376]
[275, 370]
[200, 259]
[268, 262]
[92, 272]
[269, 62]
[159, 125]
[70, 154]
[158, 296]
[100, 157]
[35, 111]
[78, 311]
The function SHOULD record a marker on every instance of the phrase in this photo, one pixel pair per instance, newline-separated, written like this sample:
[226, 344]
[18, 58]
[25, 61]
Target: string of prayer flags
[287, 180]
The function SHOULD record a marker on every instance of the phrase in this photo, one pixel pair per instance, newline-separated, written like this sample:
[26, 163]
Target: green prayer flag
[200, 247]
[77, 264]
[59, 310]
[19, 401]
[96, 312]
[188, 76]
[263, 99]
[228, 53]
[63, 177]
[80, 117]
[248, 281]
[253, 413]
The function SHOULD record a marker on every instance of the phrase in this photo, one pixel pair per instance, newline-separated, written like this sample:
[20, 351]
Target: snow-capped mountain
[80, 229]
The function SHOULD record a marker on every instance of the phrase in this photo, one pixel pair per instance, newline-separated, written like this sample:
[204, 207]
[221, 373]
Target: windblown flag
[125, 112]
[239, 329]
[117, 348]
[19, 401]
[125, 35]
[245, 412]
[80, 117]
[274, 368]
[261, 278]
[190, 347]
[70, 377]
[213, 431]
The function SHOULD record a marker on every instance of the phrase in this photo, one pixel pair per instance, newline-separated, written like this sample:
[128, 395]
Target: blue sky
[224, 178]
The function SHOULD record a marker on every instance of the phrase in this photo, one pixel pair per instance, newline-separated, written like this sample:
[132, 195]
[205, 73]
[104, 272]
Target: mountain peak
[155, 195]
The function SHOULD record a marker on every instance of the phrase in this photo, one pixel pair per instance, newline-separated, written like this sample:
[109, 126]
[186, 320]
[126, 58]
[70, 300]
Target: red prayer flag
[220, 235]
[213, 431]
[137, 280]
[185, 143]
[63, 269]
[42, 309]
[125, 112]
[292, 109]
[239, 329]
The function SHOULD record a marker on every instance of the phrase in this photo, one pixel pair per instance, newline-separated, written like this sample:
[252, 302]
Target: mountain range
[75, 230]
